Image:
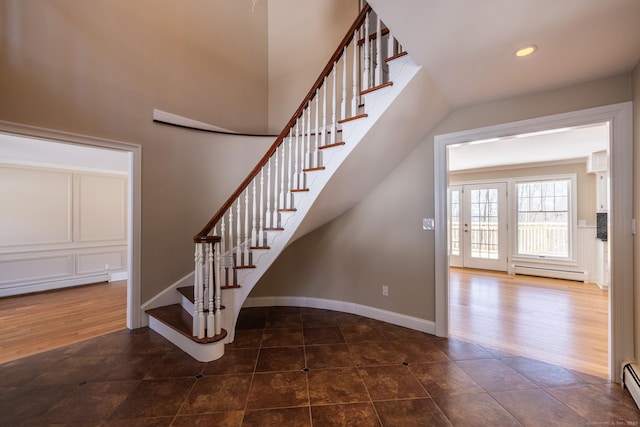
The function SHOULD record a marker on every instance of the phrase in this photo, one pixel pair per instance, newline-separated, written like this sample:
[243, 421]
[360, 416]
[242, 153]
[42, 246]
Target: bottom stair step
[179, 320]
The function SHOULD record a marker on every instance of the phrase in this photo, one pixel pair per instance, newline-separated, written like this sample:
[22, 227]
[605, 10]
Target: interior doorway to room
[518, 213]
[620, 243]
[90, 166]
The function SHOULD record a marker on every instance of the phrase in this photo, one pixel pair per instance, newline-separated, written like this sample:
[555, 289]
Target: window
[544, 218]
[454, 211]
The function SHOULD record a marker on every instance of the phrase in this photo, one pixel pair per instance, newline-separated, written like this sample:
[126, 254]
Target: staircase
[277, 202]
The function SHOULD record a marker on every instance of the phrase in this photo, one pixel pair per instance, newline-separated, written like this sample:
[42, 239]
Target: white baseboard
[19, 289]
[411, 322]
[122, 275]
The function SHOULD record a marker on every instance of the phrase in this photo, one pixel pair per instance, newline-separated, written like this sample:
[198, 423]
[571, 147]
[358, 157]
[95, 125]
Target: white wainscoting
[60, 228]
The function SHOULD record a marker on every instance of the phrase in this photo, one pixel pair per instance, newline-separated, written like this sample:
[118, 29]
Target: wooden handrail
[285, 131]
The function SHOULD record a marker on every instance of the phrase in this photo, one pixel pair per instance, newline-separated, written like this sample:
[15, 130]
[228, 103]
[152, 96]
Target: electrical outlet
[385, 290]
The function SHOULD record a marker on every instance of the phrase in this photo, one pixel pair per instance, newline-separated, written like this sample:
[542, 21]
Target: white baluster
[223, 256]
[238, 235]
[296, 160]
[354, 96]
[254, 215]
[365, 74]
[324, 112]
[343, 104]
[283, 182]
[307, 157]
[334, 105]
[378, 71]
[246, 237]
[218, 299]
[198, 318]
[270, 202]
[211, 268]
[287, 203]
[390, 45]
[276, 195]
[316, 160]
[232, 278]
[259, 243]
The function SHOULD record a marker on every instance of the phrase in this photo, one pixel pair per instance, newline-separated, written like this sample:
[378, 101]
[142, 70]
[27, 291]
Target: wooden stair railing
[266, 195]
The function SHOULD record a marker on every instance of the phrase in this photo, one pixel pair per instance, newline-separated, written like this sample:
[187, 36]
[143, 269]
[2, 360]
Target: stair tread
[179, 320]
[374, 88]
[348, 119]
[335, 144]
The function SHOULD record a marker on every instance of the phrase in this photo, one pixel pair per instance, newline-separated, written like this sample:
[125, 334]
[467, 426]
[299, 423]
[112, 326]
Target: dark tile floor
[302, 367]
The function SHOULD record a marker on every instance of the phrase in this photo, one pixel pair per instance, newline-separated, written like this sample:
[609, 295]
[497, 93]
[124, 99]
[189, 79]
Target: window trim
[573, 219]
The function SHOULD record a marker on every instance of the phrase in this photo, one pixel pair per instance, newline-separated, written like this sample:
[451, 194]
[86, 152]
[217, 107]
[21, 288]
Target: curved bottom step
[175, 324]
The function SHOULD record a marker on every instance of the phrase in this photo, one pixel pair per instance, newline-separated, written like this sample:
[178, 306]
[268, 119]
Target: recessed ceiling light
[526, 50]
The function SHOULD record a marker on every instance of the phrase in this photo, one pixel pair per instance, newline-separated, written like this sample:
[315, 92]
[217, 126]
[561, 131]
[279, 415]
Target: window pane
[543, 218]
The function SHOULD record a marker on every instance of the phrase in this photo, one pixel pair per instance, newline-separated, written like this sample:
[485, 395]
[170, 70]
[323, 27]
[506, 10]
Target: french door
[478, 226]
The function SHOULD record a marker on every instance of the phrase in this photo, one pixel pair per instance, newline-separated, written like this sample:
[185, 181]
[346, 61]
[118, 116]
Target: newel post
[206, 283]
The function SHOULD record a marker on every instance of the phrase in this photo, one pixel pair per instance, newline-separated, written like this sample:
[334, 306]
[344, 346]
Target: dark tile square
[280, 359]
[284, 337]
[328, 356]
[330, 335]
[410, 412]
[240, 361]
[391, 382]
[374, 353]
[92, 402]
[285, 320]
[278, 390]
[419, 351]
[26, 405]
[536, 408]
[174, 364]
[250, 338]
[478, 409]
[444, 379]
[544, 374]
[154, 398]
[361, 332]
[221, 393]
[345, 415]
[342, 385]
[299, 417]
[495, 375]
[222, 419]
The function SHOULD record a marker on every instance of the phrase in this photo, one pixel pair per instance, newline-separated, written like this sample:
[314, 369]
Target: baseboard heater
[556, 273]
[631, 380]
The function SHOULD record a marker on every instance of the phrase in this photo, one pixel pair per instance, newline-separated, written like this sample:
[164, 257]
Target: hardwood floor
[556, 321]
[39, 322]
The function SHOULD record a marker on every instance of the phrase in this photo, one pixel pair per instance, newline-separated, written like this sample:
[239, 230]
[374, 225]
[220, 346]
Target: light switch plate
[428, 223]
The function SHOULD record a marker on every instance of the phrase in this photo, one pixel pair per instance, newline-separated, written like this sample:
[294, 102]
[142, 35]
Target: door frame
[503, 234]
[621, 316]
[134, 213]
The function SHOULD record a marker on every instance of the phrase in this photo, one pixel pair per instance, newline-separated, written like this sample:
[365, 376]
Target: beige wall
[381, 241]
[636, 198]
[585, 182]
[303, 34]
[100, 67]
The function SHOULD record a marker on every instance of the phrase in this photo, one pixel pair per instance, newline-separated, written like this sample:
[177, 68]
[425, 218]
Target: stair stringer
[401, 72]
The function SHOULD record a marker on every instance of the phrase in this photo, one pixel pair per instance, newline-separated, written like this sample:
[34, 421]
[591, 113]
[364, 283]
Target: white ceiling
[552, 146]
[467, 45]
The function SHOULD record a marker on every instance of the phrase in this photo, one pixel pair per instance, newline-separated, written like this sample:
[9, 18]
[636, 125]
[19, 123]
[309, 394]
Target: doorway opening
[129, 160]
[620, 311]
